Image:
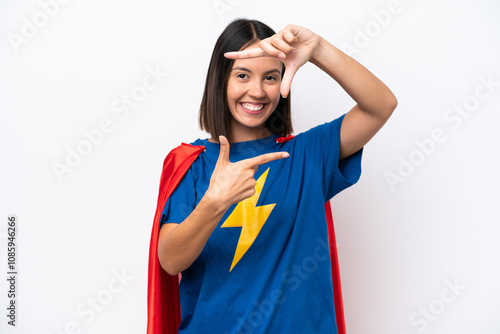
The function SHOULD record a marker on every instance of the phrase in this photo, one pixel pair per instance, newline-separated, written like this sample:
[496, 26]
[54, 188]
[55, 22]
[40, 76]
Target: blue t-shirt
[266, 267]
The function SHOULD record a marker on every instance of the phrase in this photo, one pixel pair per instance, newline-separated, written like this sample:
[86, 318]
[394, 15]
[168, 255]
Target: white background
[402, 243]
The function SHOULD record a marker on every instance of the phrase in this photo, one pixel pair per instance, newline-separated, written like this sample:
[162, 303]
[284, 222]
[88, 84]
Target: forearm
[371, 94]
[180, 246]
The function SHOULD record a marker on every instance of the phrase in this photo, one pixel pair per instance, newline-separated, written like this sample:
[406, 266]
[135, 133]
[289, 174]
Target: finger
[281, 45]
[270, 50]
[224, 151]
[289, 37]
[286, 82]
[249, 53]
[265, 158]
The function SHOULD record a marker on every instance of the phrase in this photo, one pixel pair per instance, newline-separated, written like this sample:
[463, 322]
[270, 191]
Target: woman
[245, 221]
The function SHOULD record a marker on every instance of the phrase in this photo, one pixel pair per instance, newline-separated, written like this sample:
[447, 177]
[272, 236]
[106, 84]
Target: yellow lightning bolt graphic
[250, 218]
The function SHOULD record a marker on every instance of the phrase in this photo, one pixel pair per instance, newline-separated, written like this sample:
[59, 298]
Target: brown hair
[215, 117]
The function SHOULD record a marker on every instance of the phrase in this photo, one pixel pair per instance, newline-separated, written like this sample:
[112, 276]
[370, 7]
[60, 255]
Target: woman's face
[253, 92]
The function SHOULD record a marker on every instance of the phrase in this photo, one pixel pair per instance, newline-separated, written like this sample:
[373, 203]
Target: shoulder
[186, 149]
[328, 127]
[184, 153]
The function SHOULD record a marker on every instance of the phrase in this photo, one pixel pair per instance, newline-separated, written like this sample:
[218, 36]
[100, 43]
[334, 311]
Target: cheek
[233, 91]
[275, 93]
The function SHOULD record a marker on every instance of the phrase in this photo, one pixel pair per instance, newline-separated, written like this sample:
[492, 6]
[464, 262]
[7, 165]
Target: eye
[242, 76]
[270, 77]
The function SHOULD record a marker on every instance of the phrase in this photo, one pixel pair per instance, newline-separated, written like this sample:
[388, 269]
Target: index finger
[265, 158]
[248, 53]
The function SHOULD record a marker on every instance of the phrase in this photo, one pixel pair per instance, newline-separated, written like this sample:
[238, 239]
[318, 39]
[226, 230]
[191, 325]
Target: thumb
[286, 82]
[224, 150]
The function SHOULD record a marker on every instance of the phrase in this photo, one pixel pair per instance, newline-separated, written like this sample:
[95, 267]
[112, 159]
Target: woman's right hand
[231, 183]
[179, 245]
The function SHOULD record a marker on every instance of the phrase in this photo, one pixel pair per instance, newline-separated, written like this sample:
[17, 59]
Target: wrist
[326, 56]
[319, 49]
[214, 202]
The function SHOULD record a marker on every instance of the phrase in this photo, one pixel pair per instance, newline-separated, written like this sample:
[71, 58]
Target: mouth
[252, 108]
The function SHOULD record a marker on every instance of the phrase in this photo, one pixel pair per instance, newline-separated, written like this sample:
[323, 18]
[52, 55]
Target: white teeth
[253, 107]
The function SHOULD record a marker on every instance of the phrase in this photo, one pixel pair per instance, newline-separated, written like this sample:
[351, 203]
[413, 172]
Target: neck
[237, 135]
[242, 135]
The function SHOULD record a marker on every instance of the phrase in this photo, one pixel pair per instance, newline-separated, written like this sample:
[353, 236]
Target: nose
[256, 90]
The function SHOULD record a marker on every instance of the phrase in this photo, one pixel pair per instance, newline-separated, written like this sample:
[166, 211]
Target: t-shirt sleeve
[323, 145]
[182, 201]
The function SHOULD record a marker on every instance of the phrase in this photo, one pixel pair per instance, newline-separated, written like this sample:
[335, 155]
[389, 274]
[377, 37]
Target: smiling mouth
[252, 107]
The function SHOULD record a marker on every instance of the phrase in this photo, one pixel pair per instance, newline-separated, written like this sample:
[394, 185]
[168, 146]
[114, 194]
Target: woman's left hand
[293, 45]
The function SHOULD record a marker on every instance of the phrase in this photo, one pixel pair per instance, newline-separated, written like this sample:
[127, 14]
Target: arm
[375, 102]
[295, 46]
[179, 245]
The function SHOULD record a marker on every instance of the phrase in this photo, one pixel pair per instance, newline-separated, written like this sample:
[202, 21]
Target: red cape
[164, 311]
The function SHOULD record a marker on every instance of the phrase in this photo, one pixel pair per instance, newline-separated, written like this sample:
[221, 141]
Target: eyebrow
[239, 68]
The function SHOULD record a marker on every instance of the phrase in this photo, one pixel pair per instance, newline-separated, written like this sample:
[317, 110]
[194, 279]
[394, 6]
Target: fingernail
[281, 55]
[285, 155]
